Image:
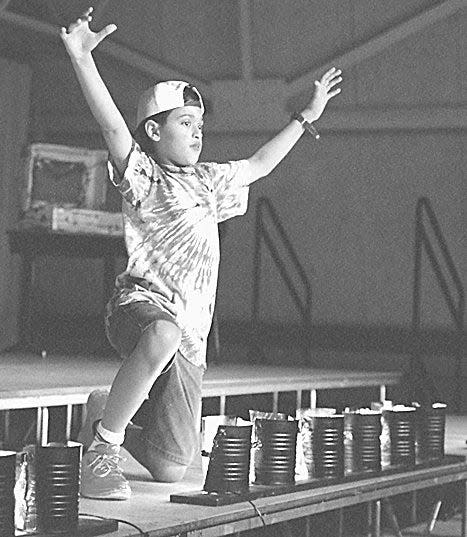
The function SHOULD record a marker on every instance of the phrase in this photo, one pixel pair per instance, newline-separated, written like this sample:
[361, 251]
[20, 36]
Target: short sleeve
[231, 188]
[137, 178]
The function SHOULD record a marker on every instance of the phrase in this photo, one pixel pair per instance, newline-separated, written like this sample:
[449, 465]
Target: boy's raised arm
[79, 42]
[272, 152]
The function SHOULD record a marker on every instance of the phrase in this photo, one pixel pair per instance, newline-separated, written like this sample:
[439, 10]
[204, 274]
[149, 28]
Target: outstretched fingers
[84, 19]
[331, 77]
[109, 29]
[333, 81]
[329, 80]
[332, 94]
[82, 25]
[86, 16]
[328, 75]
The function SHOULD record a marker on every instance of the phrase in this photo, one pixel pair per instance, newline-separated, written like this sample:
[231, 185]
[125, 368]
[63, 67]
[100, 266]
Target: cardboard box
[74, 220]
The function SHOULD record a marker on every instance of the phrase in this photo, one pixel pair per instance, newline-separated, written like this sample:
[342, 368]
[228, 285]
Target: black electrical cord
[116, 520]
[260, 515]
[255, 507]
[258, 512]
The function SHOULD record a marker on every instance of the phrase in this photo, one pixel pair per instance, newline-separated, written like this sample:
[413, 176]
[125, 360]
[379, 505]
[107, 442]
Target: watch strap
[307, 125]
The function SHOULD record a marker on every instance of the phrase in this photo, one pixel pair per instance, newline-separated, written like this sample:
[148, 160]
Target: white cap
[165, 96]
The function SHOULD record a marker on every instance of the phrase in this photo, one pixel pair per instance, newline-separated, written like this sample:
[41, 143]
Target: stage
[151, 510]
[41, 382]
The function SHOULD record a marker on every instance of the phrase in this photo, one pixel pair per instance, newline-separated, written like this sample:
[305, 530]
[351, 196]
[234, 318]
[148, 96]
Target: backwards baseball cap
[166, 96]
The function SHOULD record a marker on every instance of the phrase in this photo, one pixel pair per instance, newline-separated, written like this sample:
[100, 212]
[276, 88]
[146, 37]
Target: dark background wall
[397, 132]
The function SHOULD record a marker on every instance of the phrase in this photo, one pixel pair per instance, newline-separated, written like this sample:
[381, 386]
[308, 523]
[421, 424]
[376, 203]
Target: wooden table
[33, 242]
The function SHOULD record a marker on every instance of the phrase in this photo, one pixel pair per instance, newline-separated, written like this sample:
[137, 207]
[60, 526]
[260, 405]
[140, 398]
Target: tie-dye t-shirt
[171, 217]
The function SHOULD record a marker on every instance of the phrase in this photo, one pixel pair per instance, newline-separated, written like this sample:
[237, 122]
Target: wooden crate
[65, 176]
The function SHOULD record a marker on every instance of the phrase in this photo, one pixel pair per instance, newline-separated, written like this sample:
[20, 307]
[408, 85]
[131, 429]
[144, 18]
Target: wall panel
[14, 111]
[348, 204]
[348, 200]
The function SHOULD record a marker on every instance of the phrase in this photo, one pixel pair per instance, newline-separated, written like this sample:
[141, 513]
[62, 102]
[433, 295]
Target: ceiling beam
[110, 48]
[245, 39]
[379, 43]
[4, 4]
[159, 71]
[428, 118]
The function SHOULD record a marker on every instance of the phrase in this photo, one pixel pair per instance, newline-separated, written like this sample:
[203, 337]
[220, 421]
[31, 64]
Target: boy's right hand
[79, 39]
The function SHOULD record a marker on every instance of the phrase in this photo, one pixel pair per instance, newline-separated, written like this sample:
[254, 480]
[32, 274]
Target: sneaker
[94, 411]
[101, 475]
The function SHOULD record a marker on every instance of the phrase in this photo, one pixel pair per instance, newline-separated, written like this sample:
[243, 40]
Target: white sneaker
[101, 475]
[94, 411]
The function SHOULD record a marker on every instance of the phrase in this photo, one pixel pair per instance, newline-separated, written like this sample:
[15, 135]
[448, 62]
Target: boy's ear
[152, 129]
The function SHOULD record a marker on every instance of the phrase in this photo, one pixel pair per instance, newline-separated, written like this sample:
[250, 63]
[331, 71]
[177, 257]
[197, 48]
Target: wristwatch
[307, 125]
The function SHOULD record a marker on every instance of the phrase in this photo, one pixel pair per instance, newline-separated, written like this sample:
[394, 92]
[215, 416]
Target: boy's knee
[163, 337]
[159, 467]
[166, 472]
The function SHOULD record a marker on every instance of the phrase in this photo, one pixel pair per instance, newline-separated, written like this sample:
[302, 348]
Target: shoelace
[104, 464]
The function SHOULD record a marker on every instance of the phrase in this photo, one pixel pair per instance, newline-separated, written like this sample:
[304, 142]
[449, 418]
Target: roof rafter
[382, 41]
[124, 54]
[245, 39]
[354, 56]
[4, 4]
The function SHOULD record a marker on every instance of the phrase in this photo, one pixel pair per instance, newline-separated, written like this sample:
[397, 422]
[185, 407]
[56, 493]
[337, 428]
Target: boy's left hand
[323, 93]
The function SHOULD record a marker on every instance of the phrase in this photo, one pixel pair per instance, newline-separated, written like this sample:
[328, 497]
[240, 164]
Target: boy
[160, 315]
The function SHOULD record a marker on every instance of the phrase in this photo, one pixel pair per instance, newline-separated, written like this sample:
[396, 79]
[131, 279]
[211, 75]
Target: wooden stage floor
[30, 380]
[150, 507]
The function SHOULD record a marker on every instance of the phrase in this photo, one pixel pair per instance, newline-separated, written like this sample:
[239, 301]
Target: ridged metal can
[275, 454]
[58, 479]
[328, 446]
[229, 463]
[367, 441]
[305, 417]
[431, 425]
[402, 429]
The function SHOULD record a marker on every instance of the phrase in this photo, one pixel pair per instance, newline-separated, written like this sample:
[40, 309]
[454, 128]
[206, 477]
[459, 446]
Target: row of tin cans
[326, 443]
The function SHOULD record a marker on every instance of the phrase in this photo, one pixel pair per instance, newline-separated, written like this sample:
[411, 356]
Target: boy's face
[181, 137]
